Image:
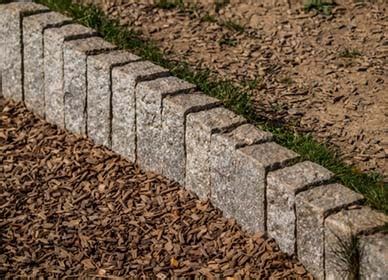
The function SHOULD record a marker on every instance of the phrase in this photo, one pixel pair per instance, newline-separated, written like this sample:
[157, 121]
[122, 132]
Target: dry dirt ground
[72, 209]
[324, 74]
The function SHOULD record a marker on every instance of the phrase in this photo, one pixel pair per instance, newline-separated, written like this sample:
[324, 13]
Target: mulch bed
[70, 208]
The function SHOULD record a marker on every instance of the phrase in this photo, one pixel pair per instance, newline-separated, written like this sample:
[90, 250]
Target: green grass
[219, 4]
[181, 5]
[234, 97]
[208, 18]
[347, 53]
[228, 41]
[319, 5]
[287, 80]
[234, 26]
[169, 4]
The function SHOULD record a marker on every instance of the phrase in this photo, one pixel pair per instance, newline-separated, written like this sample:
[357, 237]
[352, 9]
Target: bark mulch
[69, 208]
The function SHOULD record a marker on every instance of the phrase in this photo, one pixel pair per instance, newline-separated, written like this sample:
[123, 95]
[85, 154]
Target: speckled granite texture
[75, 79]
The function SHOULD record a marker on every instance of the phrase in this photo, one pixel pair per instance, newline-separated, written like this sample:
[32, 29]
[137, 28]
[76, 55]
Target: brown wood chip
[72, 209]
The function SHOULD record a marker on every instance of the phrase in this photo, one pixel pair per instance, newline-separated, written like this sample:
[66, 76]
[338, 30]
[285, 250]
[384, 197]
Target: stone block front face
[199, 129]
[149, 96]
[374, 258]
[340, 232]
[282, 187]
[11, 60]
[54, 39]
[229, 189]
[124, 81]
[33, 32]
[175, 109]
[75, 55]
[312, 207]
[99, 88]
[250, 198]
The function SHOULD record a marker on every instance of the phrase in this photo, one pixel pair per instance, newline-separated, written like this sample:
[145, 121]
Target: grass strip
[234, 97]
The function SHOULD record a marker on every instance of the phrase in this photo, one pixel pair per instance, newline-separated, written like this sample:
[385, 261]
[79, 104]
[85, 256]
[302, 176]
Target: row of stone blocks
[67, 74]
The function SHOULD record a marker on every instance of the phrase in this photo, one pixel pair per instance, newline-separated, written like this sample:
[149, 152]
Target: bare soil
[72, 209]
[324, 74]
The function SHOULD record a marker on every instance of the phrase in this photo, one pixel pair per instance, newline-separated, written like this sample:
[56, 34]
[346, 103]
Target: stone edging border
[71, 77]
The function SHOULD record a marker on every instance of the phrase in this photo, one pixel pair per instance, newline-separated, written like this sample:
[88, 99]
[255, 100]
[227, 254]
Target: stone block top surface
[46, 19]
[269, 155]
[89, 45]
[71, 30]
[216, 119]
[299, 176]
[359, 220]
[112, 58]
[246, 134]
[142, 70]
[165, 86]
[184, 103]
[328, 197]
[25, 7]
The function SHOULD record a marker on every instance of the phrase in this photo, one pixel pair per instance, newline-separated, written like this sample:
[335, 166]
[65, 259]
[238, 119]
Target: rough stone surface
[243, 135]
[124, 81]
[149, 96]
[175, 109]
[229, 178]
[254, 162]
[312, 207]
[374, 260]
[270, 155]
[11, 60]
[100, 93]
[282, 187]
[54, 39]
[223, 154]
[33, 32]
[75, 55]
[199, 129]
[339, 229]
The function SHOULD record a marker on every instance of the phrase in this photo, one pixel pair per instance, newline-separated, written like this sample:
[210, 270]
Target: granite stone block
[340, 229]
[124, 82]
[149, 98]
[75, 55]
[175, 110]
[374, 258]
[312, 207]
[224, 160]
[247, 202]
[11, 38]
[282, 187]
[54, 39]
[33, 32]
[199, 128]
[99, 88]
